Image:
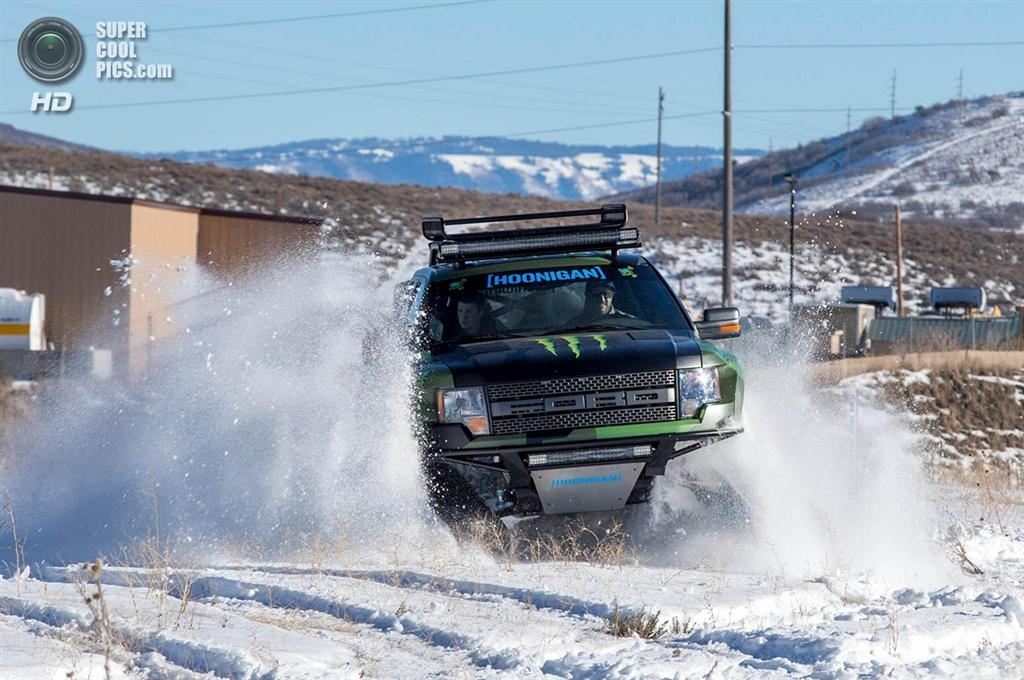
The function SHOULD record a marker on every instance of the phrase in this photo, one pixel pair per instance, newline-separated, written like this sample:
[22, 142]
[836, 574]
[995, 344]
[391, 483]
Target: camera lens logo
[50, 50]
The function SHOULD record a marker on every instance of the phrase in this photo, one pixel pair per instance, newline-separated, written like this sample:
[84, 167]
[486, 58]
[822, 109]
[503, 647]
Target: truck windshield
[521, 300]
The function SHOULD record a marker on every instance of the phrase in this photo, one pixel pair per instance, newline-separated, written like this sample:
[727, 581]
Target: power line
[314, 17]
[393, 83]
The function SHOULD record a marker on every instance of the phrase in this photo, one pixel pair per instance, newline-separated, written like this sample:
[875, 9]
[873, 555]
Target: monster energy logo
[573, 342]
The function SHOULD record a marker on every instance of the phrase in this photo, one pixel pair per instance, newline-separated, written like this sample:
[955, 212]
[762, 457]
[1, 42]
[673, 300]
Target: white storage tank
[21, 320]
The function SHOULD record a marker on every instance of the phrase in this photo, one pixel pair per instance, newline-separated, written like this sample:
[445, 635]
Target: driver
[474, 316]
[599, 303]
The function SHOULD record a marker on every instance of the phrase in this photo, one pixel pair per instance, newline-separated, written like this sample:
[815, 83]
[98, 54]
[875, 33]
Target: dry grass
[955, 406]
[565, 539]
[101, 627]
[645, 624]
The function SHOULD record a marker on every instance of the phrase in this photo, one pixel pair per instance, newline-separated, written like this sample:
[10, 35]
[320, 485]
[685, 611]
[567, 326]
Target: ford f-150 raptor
[557, 373]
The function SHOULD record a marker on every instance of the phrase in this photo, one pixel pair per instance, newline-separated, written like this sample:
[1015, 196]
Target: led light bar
[587, 455]
[610, 233]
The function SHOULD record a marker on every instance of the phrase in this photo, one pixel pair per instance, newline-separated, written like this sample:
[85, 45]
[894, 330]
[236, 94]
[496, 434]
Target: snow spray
[817, 485]
[273, 415]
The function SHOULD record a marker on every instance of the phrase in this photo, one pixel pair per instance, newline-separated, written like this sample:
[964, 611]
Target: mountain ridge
[494, 164]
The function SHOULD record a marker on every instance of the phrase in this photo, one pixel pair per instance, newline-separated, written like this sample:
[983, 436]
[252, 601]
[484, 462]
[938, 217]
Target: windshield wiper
[585, 328]
[472, 338]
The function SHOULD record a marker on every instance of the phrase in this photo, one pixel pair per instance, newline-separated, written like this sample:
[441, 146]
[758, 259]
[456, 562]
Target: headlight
[464, 405]
[697, 387]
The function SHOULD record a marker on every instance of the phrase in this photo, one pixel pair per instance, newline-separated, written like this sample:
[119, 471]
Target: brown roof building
[81, 249]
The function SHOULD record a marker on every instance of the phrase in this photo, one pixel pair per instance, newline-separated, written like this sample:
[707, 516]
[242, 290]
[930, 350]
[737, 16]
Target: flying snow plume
[818, 485]
[273, 415]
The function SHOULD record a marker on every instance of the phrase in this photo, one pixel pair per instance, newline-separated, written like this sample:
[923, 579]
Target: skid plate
[589, 488]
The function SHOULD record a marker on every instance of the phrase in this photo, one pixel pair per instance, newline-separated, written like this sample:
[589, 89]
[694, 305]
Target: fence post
[1020, 327]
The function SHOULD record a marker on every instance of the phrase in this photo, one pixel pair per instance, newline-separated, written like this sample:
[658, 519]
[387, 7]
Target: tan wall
[833, 371]
[163, 248]
[63, 248]
[237, 246]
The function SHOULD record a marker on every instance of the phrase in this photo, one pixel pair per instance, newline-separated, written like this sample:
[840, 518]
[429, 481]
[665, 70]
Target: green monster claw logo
[549, 345]
[573, 342]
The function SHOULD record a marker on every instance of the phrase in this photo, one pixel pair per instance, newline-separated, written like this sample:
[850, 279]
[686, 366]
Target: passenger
[599, 304]
[474, 316]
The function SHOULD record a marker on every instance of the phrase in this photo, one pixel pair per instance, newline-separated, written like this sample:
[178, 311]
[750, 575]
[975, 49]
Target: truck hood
[566, 356]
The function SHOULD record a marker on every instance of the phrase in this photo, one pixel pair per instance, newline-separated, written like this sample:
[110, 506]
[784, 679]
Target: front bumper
[506, 481]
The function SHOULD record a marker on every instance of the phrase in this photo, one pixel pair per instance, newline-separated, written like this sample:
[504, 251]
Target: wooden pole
[899, 263]
[657, 191]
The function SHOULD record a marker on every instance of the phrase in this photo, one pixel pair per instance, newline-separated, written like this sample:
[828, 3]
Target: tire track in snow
[406, 657]
[508, 629]
[277, 596]
[549, 642]
[206, 588]
[201, 659]
[398, 578]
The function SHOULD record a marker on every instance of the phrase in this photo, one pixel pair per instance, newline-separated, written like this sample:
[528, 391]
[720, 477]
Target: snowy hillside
[957, 163]
[486, 164]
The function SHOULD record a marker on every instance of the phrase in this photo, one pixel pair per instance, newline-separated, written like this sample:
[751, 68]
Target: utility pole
[960, 96]
[846, 169]
[657, 190]
[892, 103]
[727, 166]
[792, 181]
[770, 164]
[899, 263]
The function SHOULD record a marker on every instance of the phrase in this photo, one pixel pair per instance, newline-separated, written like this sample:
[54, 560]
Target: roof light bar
[609, 233]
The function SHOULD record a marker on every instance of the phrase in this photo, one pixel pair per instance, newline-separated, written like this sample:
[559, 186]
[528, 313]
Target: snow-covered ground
[449, 614]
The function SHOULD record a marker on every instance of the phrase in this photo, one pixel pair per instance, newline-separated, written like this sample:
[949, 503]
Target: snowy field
[260, 514]
[462, 617]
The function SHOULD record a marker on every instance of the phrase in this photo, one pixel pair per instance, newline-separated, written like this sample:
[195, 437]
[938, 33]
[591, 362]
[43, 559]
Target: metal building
[76, 250]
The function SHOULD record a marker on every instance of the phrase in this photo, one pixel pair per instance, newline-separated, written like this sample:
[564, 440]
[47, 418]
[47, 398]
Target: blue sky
[511, 34]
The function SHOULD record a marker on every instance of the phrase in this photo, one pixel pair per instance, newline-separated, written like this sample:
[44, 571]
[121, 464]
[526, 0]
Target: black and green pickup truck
[557, 373]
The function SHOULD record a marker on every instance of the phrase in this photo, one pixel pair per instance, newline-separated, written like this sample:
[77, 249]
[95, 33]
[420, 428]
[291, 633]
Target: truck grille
[570, 403]
[597, 383]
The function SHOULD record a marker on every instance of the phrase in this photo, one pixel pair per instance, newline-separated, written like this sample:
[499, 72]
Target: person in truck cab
[599, 304]
[474, 316]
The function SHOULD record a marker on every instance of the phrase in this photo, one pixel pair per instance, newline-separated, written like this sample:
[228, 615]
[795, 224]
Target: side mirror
[719, 323]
